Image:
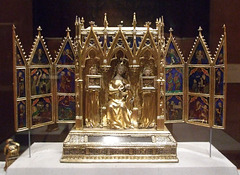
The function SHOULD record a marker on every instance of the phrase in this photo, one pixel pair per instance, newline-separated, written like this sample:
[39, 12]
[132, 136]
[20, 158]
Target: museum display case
[119, 84]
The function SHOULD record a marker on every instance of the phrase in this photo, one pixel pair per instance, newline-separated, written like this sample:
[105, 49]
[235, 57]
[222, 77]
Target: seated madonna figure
[118, 112]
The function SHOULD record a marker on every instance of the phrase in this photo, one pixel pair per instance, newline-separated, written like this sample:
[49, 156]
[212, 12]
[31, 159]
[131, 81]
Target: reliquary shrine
[119, 85]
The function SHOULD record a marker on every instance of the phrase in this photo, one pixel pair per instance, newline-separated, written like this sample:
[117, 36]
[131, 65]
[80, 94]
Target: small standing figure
[63, 82]
[39, 57]
[21, 84]
[35, 82]
[69, 82]
[172, 57]
[219, 114]
[44, 84]
[199, 56]
[148, 118]
[220, 59]
[203, 84]
[195, 86]
[177, 82]
[69, 59]
[65, 109]
[21, 116]
[11, 150]
[170, 82]
[204, 113]
[92, 107]
[218, 83]
[19, 60]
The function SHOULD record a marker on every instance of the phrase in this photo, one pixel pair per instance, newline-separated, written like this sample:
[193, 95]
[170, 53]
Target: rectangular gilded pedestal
[135, 145]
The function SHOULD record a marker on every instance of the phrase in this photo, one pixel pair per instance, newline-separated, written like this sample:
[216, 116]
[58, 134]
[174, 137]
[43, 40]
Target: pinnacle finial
[76, 20]
[82, 22]
[68, 32]
[147, 24]
[134, 23]
[92, 23]
[224, 28]
[14, 29]
[200, 30]
[39, 29]
[121, 24]
[105, 22]
[157, 22]
[170, 30]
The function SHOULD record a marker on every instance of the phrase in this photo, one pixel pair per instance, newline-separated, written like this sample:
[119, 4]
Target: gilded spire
[76, 27]
[147, 24]
[79, 21]
[68, 32]
[158, 26]
[160, 29]
[157, 23]
[39, 29]
[224, 29]
[92, 23]
[105, 22]
[14, 28]
[170, 30]
[82, 22]
[200, 30]
[162, 25]
[76, 21]
[120, 25]
[134, 23]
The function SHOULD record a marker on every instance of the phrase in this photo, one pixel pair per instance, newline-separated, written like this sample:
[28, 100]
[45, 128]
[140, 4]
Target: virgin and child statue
[119, 100]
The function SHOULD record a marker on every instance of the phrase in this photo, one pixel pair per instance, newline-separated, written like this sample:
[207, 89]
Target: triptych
[194, 88]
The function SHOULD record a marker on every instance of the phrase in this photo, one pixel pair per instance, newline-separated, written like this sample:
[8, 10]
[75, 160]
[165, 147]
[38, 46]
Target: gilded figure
[218, 112]
[92, 107]
[40, 56]
[11, 151]
[119, 95]
[148, 118]
[21, 83]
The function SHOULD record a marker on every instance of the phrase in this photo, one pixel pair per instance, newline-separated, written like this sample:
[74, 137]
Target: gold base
[9, 162]
[134, 145]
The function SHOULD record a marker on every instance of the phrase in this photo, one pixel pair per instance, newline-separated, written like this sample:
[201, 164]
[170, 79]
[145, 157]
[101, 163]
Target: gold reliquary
[119, 97]
[120, 85]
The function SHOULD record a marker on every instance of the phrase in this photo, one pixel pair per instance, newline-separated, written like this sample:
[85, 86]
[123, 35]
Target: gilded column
[78, 76]
[160, 75]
